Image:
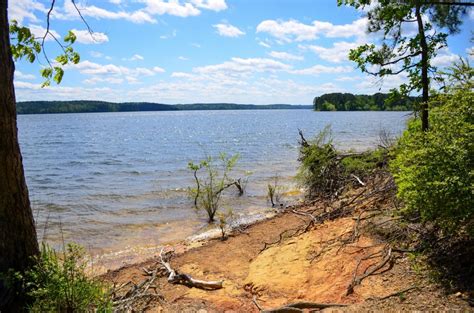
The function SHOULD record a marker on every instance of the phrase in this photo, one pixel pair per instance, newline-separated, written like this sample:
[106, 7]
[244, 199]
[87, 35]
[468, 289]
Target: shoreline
[103, 263]
[287, 258]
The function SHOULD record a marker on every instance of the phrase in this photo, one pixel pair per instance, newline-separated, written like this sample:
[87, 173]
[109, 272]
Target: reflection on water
[115, 180]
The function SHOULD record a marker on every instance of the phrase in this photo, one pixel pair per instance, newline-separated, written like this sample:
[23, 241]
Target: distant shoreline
[87, 106]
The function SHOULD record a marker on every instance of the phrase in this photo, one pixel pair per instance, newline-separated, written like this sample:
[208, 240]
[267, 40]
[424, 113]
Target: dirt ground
[313, 266]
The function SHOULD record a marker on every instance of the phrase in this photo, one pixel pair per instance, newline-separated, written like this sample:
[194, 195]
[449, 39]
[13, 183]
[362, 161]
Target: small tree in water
[211, 182]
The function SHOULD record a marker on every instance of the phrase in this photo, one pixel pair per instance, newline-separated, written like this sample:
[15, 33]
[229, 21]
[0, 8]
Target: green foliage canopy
[349, 102]
[434, 170]
[25, 45]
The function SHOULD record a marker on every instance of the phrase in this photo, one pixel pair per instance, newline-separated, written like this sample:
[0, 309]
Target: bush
[210, 185]
[319, 169]
[434, 169]
[58, 283]
[326, 172]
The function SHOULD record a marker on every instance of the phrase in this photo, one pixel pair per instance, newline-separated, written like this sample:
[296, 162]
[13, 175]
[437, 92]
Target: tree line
[90, 106]
[349, 102]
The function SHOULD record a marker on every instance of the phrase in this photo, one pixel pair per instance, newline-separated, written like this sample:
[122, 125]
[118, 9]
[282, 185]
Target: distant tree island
[350, 102]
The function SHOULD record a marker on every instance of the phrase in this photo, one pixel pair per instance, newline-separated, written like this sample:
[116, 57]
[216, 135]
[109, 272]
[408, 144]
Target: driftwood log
[184, 279]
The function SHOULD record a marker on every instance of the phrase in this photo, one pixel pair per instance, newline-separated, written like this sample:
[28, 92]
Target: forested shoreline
[325, 102]
[91, 106]
[350, 102]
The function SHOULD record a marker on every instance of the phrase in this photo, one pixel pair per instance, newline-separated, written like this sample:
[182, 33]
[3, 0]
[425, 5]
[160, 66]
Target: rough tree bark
[18, 240]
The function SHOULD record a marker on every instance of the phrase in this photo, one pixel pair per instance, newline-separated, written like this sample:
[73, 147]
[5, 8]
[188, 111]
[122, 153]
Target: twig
[358, 180]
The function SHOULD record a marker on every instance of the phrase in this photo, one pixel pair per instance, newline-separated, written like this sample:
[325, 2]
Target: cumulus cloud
[20, 75]
[322, 69]
[337, 53]
[144, 14]
[135, 57]
[21, 10]
[228, 30]
[292, 30]
[40, 31]
[85, 37]
[286, 56]
[240, 66]
[264, 44]
[444, 58]
[214, 5]
[112, 73]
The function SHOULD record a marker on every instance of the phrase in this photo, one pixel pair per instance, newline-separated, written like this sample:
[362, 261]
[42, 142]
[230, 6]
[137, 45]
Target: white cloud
[337, 53]
[371, 84]
[144, 14]
[135, 57]
[39, 31]
[285, 56]
[183, 58]
[264, 44]
[113, 73]
[172, 35]
[83, 36]
[348, 78]
[21, 75]
[69, 12]
[444, 58]
[21, 10]
[214, 5]
[292, 30]
[160, 7]
[109, 80]
[321, 69]
[196, 45]
[242, 66]
[228, 30]
[158, 69]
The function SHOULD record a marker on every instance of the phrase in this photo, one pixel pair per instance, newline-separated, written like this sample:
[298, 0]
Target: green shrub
[326, 172]
[434, 169]
[211, 180]
[58, 283]
[363, 164]
[319, 165]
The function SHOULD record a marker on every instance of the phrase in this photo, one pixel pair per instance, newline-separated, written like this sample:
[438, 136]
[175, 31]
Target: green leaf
[70, 37]
[58, 75]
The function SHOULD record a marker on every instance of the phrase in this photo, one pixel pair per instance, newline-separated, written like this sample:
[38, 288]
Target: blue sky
[187, 51]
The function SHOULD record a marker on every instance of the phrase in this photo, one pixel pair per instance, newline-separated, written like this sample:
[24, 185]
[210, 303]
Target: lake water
[115, 182]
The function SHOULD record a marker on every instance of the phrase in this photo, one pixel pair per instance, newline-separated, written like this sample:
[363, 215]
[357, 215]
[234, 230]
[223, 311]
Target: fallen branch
[300, 306]
[184, 279]
[128, 300]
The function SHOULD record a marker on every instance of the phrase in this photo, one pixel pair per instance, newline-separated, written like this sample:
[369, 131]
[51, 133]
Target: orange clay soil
[313, 266]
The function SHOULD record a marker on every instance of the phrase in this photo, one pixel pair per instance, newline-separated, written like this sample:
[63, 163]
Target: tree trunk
[425, 83]
[17, 229]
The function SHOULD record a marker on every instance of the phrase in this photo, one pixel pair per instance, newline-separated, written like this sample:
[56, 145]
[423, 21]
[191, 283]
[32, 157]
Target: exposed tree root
[300, 306]
[370, 270]
[394, 294]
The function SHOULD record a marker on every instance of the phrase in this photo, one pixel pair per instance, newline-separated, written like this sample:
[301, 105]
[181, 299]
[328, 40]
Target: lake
[117, 182]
